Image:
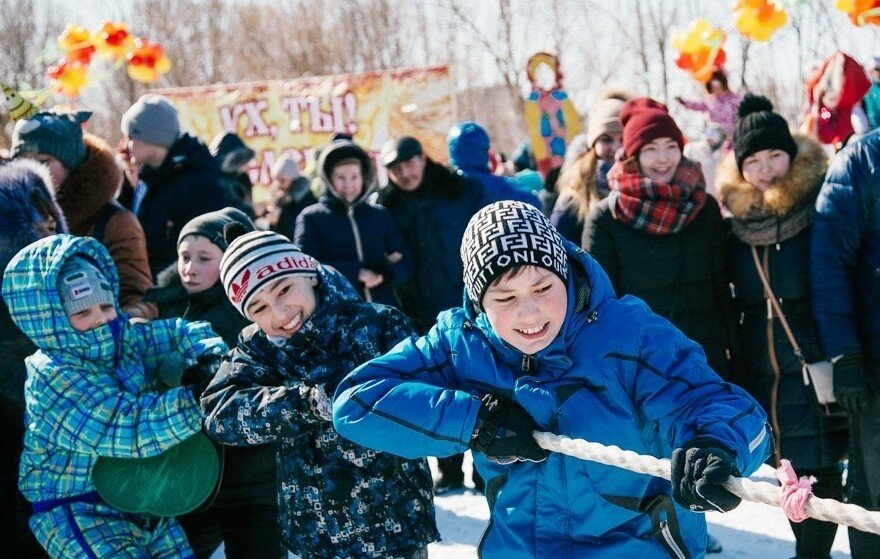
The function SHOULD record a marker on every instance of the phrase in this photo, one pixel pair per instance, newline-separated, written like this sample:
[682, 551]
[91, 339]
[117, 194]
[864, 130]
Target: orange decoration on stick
[699, 49]
[68, 77]
[76, 42]
[147, 61]
[860, 12]
[113, 40]
[758, 19]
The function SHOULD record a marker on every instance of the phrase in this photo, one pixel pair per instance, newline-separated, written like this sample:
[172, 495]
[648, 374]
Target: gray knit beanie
[82, 285]
[152, 119]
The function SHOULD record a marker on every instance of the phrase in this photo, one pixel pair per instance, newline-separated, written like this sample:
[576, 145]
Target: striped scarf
[657, 207]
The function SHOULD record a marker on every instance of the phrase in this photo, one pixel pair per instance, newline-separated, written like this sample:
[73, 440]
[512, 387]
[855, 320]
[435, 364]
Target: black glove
[199, 375]
[504, 432]
[199, 387]
[205, 367]
[851, 383]
[698, 472]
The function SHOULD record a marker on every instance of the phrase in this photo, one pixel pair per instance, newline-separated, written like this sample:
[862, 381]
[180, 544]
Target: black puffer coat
[808, 439]
[682, 277]
[186, 185]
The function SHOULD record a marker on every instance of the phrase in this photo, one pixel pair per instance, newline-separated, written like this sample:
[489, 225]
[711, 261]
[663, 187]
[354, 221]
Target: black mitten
[504, 432]
[851, 383]
[699, 471]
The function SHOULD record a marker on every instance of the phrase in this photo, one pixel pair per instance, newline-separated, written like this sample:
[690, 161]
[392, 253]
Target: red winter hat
[644, 120]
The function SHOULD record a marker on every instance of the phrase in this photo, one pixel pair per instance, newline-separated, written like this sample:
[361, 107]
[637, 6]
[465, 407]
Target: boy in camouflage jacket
[336, 499]
[90, 392]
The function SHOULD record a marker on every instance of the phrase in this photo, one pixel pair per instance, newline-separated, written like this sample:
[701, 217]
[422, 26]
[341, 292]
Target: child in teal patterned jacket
[90, 393]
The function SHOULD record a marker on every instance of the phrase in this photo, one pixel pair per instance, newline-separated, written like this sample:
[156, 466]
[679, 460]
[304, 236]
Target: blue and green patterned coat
[91, 394]
[336, 498]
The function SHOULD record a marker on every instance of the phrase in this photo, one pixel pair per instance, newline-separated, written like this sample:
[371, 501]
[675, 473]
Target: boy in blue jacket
[542, 343]
[335, 499]
[90, 393]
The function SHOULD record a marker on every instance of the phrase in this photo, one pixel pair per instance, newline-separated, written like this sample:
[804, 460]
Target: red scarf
[657, 207]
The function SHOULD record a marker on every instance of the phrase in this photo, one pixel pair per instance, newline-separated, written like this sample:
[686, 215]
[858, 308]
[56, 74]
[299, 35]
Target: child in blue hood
[90, 393]
[542, 343]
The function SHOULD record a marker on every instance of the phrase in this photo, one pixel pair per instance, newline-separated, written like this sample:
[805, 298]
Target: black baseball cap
[396, 150]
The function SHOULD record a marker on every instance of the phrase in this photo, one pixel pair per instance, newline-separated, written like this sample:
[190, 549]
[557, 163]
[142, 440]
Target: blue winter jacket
[468, 145]
[616, 374]
[91, 394]
[845, 253]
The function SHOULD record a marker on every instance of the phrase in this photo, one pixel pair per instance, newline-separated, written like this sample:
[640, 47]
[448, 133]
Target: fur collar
[803, 180]
[87, 189]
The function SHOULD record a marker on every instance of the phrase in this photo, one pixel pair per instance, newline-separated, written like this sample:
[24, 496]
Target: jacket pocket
[664, 522]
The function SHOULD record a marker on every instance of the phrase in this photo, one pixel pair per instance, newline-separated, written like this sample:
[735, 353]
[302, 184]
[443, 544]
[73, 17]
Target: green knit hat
[57, 134]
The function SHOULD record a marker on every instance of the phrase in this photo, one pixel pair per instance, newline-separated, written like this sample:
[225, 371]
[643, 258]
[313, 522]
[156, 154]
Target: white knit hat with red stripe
[256, 259]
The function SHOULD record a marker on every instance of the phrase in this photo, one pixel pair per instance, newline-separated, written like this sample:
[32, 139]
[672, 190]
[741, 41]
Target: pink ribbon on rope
[795, 492]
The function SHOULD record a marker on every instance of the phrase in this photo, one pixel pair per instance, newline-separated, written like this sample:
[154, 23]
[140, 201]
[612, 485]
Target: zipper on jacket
[526, 363]
[670, 541]
[358, 247]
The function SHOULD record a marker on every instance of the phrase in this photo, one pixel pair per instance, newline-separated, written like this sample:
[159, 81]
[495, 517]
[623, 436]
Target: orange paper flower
[860, 12]
[758, 19]
[68, 77]
[147, 61]
[76, 42]
[113, 40]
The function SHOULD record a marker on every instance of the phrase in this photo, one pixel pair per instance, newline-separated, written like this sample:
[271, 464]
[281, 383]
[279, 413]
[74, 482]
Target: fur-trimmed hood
[22, 183]
[87, 189]
[803, 180]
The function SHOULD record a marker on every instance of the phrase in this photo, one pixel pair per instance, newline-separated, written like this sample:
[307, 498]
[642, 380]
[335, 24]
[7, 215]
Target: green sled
[172, 483]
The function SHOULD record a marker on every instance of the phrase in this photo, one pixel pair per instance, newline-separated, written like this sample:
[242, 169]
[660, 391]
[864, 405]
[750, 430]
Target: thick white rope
[759, 492]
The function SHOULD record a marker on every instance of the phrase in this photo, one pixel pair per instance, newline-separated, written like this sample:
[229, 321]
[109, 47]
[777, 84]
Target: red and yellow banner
[300, 115]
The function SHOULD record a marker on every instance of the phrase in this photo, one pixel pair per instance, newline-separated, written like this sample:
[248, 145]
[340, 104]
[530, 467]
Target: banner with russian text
[301, 115]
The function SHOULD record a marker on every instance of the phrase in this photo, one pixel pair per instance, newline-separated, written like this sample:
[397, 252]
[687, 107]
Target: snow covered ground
[750, 531]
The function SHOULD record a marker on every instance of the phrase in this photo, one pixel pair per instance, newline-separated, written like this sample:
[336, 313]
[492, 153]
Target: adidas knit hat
[82, 285]
[505, 235]
[254, 260]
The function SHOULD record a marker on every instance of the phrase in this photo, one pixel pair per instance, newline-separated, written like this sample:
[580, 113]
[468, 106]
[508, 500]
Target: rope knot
[796, 492]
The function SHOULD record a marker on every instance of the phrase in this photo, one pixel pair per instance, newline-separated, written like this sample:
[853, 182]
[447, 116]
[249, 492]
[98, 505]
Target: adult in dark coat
[244, 515]
[231, 155]
[662, 239]
[181, 178]
[770, 183]
[28, 212]
[845, 275]
[432, 205]
[345, 231]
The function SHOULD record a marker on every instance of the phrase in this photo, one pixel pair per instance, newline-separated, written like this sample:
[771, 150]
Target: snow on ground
[750, 531]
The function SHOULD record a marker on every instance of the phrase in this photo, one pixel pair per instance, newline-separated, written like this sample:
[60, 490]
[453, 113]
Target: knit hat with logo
[82, 285]
[254, 260]
[505, 235]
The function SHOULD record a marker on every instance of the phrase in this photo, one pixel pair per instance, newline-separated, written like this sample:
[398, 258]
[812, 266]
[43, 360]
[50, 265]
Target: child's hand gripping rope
[794, 497]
